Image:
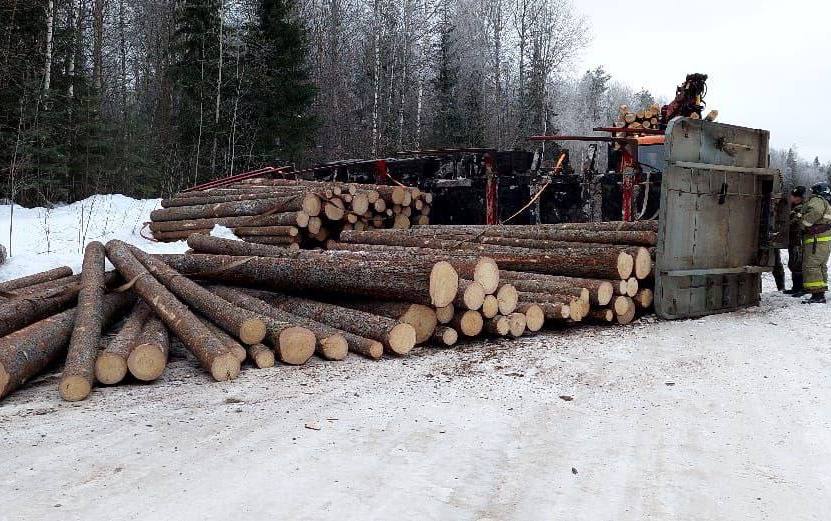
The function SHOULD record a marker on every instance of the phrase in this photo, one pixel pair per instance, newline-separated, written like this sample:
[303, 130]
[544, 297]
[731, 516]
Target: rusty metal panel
[714, 198]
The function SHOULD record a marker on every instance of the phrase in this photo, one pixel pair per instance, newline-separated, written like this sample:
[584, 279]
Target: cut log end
[623, 305]
[605, 293]
[252, 331]
[146, 362]
[445, 336]
[470, 323]
[643, 263]
[311, 205]
[585, 295]
[225, 367]
[644, 298]
[74, 388]
[508, 298]
[262, 356]
[423, 319]
[333, 347]
[498, 326]
[490, 306]
[534, 316]
[625, 265]
[4, 380]
[445, 314]
[473, 296]
[110, 369]
[632, 286]
[444, 284]
[296, 345]
[517, 324]
[401, 338]
[486, 273]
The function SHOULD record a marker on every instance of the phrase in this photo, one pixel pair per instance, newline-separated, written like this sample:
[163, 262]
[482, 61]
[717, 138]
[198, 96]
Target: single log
[419, 282]
[300, 219]
[600, 291]
[529, 232]
[219, 198]
[397, 337]
[421, 317]
[555, 312]
[37, 278]
[543, 286]
[602, 315]
[28, 351]
[331, 344]
[577, 308]
[623, 306]
[507, 297]
[445, 314]
[293, 203]
[444, 336]
[242, 324]
[498, 326]
[626, 317]
[490, 306]
[611, 262]
[111, 364]
[517, 324]
[148, 358]
[471, 295]
[289, 243]
[534, 315]
[24, 310]
[632, 286]
[271, 231]
[469, 323]
[79, 368]
[261, 355]
[211, 353]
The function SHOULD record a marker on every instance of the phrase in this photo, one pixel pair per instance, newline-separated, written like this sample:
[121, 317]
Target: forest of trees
[143, 97]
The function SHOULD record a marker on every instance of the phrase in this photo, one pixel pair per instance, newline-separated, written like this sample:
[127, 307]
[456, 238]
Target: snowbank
[43, 238]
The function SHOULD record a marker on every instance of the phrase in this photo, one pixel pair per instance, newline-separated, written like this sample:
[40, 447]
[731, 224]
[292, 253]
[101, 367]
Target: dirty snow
[724, 417]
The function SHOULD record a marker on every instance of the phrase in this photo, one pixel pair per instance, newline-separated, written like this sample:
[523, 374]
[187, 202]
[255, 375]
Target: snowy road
[725, 417]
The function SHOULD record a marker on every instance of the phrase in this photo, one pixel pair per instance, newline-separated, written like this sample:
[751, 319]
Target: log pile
[232, 304]
[288, 212]
[647, 118]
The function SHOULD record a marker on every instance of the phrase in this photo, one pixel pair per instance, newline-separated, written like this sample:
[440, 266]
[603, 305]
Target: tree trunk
[506, 234]
[234, 347]
[615, 226]
[37, 278]
[292, 203]
[422, 283]
[498, 326]
[300, 219]
[209, 199]
[517, 324]
[539, 286]
[27, 352]
[600, 291]
[421, 317]
[397, 337]
[331, 343]
[507, 298]
[47, 67]
[79, 368]
[148, 357]
[111, 364]
[261, 355]
[210, 352]
[242, 324]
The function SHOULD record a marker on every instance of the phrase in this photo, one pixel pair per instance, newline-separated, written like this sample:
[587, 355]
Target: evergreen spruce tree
[280, 93]
[448, 124]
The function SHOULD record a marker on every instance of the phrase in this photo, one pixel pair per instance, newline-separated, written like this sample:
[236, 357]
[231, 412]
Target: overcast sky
[769, 62]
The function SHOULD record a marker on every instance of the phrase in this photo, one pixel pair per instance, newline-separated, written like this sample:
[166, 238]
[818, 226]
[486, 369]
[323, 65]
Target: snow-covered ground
[721, 418]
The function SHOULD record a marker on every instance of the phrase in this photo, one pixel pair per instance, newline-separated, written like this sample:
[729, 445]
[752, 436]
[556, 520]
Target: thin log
[444, 336]
[292, 203]
[111, 364]
[534, 315]
[490, 306]
[421, 317]
[148, 357]
[261, 355]
[499, 325]
[234, 347]
[79, 368]
[300, 219]
[507, 298]
[517, 324]
[600, 291]
[37, 278]
[445, 314]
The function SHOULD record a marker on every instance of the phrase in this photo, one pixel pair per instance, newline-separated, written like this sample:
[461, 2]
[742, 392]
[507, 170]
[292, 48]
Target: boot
[816, 298]
[798, 293]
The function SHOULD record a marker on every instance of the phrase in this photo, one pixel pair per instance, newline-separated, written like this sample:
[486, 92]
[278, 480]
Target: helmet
[799, 191]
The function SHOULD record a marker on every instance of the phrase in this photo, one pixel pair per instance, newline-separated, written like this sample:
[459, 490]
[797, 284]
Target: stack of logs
[377, 292]
[288, 212]
[648, 118]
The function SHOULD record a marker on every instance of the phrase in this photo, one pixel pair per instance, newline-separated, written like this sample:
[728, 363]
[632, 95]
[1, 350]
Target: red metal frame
[491, 189]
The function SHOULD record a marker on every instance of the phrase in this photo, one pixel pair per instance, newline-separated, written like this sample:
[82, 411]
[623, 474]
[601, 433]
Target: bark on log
[444, 336]
[292, 203]
[331, 344]
[421, 317]
[27, 352]
[79, 368]
[286, 243]
[234, 347]
[25, 310]
[577, 308]
[601, 315]
[218, 198]
[542, 286]
[111, 364]
[555, 312]
[242, 324]
[210, 352]
[148, 358]
[600, 291]
[277, 219]
[419, 282]
[650, 226]
[644, 299]
[261, 355]
[37, 278]
[397, 337]
[531, 233]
